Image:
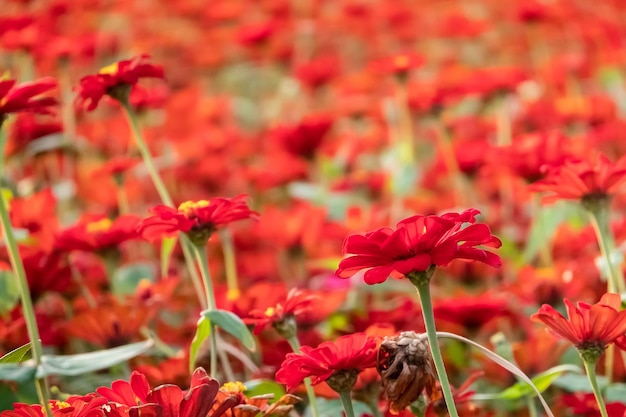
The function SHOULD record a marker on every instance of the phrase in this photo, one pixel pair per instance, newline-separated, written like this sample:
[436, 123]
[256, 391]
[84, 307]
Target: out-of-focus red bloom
[115, 167]
[588, 325]
[98, 234]
[23, 97]
[462, 399]
[116, 80]
[74, 406]
[36, 214]
[297, 302]
[418, 243]
[398, 65]
[303, 139]
[351, 352]
[26, 129]
[581, 179]
[199, 219]
[584, 404]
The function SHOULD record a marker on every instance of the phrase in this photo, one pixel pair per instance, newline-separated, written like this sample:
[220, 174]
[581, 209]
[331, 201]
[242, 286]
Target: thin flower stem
[599, 214]
[28, 309]
[295, 346]
[346, 401]
[122, 200]
[203, 263]
[590, 368]
[422, 284]
[230, 264]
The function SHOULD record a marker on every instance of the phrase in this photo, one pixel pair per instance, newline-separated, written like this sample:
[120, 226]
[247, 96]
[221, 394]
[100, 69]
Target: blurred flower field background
[312, 208]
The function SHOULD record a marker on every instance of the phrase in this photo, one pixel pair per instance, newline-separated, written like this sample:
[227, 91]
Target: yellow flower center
[401, 61]
[59, 405]
[189, 206]
[270, 311]
[233, 294]
[233, 387]
[99, 226]
[109, 69]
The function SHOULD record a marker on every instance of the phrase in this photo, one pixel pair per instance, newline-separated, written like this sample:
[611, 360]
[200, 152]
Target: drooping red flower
[578, 179]
[97, 234]
[23, 97]
[587, 325]
[353, 352]
[298, 301]
[116, 80]
[199, 219]
[418, 243]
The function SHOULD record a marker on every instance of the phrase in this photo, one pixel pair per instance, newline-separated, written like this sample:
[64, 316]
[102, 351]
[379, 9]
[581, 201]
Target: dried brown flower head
[406, 369]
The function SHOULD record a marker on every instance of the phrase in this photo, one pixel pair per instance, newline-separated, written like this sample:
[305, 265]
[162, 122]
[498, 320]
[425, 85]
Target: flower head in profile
[583, 180]
[589, 327]
[198, 219]
[282, 315]
[24, 97]
[338, 363]
[417, 244]
[98, 234]
[116, 80]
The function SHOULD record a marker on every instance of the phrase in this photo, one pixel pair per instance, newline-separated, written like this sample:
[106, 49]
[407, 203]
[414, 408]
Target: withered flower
[406, 369]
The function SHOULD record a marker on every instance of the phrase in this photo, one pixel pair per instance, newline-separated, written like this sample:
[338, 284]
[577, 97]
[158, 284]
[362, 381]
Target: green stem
[346, 401]
[145, 154]
[421, 281]
[28, 309]
[295, 346]
[203, 263]
[590, 368]
[599, 214]
[230, 265]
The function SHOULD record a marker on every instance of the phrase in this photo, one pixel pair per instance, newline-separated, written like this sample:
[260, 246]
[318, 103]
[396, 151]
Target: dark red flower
[418, 243]
[199, 219]
[24, 97]
[116, 80]
[588, 325]
[353, 352]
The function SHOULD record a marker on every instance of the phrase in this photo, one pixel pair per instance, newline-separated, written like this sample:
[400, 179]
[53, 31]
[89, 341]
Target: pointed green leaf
[231, 323]
[579, 383]
[88, 362]
[264, 386]
[18, 372]
[203, 329]
[9, 292]
[541, 381]
[167, 247]
[17, 355]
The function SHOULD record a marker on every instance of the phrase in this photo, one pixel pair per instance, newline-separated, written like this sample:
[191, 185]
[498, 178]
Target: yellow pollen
[401, 61]
[99, 226]
[109, 69]
[61, 404]
[188, 206]
[144, 283]
[233, 294]
[270, 311]
[233, 387]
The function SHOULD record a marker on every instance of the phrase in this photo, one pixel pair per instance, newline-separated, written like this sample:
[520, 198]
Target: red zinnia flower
[587, 326]
[199, 219]
[98, 234]
[348, 354]
[580, 179]
[74, 406]
[418, 243]
[116, 80]
[23, 97]
[296, 303]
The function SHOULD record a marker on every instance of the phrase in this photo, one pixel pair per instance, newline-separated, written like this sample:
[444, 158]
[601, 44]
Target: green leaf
[541, 381]
[579, 383]
[17, 355]
[615, 393]
[167, 247]
[264, 386]
[9, 292]
[203, 329]
[231, 323]
[18, 372]
[127, 278]
[71, 365]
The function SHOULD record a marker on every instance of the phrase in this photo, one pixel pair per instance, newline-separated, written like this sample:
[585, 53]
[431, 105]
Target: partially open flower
[406, 369]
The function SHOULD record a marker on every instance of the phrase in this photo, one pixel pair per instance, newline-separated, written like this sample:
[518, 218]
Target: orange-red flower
[199, 219]
[588, 326]
[418, 243]
[24, 97]
[580, 179]
[296, 303]
[98, 234]
[116, 80]
[74, 406]
[353, 352]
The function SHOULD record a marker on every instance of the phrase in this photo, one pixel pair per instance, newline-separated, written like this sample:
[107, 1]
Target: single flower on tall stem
[413, 250]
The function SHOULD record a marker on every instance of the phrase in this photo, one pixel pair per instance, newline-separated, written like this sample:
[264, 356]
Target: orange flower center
[99, 226]
[233, 387]
[233, 294]
[188, 207]
[270, 311]
[401, 62]
[109, 69]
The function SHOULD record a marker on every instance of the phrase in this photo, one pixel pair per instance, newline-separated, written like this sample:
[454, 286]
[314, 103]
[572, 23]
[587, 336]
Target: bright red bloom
[113, 79]
[74, 406]
[98, 234]
[580, 179]
[351, 352]
[296, 303]
[596, 325]
[199, 219]
[418, 243]
[23, 97]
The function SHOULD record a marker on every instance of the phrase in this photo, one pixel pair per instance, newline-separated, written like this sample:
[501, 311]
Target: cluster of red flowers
[129, 130]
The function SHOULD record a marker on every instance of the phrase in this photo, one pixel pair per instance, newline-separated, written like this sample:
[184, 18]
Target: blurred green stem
[203, 263]
[346, 401]
[230, 264]
[295, 346]
[590, 368]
